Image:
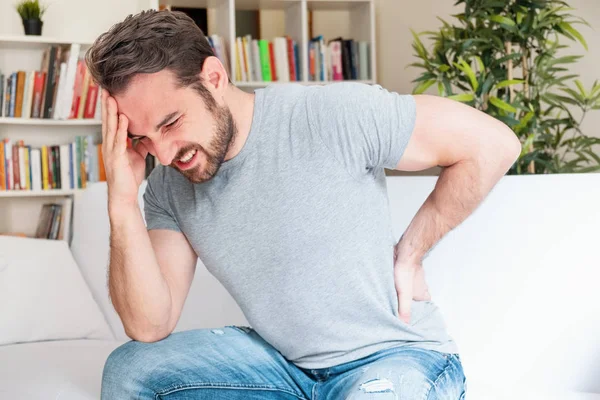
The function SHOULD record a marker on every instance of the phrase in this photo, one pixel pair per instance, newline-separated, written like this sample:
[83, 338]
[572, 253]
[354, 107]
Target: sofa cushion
[43, 295]
[61, 370]
[481, 391]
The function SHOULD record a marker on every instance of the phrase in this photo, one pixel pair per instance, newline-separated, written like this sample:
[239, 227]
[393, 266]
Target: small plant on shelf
[31, 12]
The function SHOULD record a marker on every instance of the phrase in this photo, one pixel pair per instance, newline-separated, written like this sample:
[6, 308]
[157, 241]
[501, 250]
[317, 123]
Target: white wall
[84, 19]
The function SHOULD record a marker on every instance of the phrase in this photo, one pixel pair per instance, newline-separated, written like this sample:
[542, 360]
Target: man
[282, 195]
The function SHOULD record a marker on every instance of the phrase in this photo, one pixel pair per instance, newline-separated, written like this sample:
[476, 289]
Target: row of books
[278, 60]
[259, 60]
[55, 221]
[339, 59]
[67, 166]
[62, 89]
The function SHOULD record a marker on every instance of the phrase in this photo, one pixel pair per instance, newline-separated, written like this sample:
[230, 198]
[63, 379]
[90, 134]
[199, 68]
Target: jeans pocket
[241, 329]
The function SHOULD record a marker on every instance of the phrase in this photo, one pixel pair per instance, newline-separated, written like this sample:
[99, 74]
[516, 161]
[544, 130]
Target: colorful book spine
[265, 60]
[45, 182]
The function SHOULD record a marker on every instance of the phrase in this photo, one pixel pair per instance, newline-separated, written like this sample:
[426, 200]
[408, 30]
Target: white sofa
[517, 282]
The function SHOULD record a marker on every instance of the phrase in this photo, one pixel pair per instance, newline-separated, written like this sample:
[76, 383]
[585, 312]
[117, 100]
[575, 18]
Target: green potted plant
[31, 12]
[505, 58]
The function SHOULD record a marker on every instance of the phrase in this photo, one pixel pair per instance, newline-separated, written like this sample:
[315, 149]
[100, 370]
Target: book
[265, 60]
[2, 168]
[36, 169]
[2, 94]
[19, 94]
[50, 82]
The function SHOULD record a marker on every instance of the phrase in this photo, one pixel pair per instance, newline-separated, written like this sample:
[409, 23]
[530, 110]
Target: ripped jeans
[235, 363]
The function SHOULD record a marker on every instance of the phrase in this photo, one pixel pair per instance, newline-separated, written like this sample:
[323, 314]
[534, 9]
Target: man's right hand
[125, 167]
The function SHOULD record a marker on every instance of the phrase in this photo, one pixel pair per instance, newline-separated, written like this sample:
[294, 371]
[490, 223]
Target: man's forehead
[146, 102]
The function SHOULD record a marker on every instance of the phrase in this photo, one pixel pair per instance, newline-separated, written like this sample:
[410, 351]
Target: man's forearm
[460, 188]
[138, 289]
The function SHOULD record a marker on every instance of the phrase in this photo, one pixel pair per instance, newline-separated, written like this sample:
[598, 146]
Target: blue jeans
[235, 363]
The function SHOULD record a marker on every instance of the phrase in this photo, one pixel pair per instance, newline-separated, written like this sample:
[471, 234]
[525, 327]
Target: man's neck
[241, 105]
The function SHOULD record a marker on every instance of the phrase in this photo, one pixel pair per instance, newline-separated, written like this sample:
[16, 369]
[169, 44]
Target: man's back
[297, 228]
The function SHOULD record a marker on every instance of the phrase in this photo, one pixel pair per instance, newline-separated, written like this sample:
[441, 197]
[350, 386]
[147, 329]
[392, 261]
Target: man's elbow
[513, 147]
[147, 335]
[508, 147]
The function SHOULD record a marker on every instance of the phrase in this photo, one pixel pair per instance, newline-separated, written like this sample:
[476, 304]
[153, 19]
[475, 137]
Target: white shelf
[39, 193]
[308, 83]
[24, 41]
[335, 4]
[50, 122]
[264, 4]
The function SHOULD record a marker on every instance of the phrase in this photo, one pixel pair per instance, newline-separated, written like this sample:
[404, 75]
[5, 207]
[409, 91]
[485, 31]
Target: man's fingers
[121, 135]
[424, 296]
[420, 289]
[111, 122]
[404, 287]
[104, 113]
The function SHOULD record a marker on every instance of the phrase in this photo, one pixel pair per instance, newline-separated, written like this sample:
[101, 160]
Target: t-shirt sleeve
[157, 212]
[364, 126]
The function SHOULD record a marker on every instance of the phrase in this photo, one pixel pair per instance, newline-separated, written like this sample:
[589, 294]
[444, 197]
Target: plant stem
[525, 66]
[509, 69]
[525, 61]
[576, 131]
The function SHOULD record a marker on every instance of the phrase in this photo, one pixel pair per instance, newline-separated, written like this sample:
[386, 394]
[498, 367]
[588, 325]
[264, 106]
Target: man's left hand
[409, 279]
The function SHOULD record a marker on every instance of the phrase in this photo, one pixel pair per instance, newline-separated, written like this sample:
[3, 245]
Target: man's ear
[214, 75]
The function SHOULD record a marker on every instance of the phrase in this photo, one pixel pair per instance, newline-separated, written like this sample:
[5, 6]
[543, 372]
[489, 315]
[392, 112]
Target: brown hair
[149, 42]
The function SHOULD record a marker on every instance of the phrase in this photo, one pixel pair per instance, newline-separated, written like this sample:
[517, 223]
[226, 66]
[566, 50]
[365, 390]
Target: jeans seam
[217, 385]
[442, 374]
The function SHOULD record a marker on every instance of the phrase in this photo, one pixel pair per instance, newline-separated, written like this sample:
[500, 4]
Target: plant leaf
[466, 68]
[423, 86]
[581, 88]
[574, 32]
[480, 64]
[464, 98]
[418, 45]
[503, 20]
[502, 104]
[509, 82]
[527, 144]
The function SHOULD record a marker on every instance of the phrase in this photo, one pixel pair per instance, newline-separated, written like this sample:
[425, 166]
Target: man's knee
[127, 369]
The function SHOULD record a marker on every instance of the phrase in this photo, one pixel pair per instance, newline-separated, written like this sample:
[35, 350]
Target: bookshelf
[20, 209]
[39, 193]
[331, 18]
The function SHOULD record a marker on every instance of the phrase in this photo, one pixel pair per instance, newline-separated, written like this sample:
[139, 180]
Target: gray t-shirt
[297, 226]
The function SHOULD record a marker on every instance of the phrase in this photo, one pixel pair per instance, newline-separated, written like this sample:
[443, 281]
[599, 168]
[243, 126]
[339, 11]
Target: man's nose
[164, 152]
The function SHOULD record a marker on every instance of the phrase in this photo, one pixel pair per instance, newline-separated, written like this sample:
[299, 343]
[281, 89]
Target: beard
[211, 158]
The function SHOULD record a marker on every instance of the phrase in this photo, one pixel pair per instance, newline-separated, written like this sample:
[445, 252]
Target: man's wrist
[119, 210]
[407, 254]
